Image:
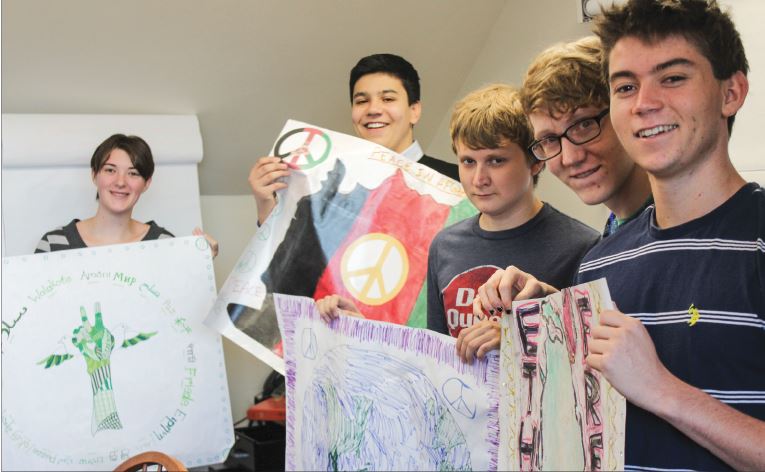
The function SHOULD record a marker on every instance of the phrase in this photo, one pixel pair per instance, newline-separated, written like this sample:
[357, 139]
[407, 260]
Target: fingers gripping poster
[366, 395]
[105, 355]
[356, 220]
[557, 413]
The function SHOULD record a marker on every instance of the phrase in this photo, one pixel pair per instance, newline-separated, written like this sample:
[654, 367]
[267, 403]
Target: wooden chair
[144, 460]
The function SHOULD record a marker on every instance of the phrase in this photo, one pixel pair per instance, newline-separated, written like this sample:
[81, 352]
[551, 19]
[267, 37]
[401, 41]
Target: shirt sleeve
[436, 315]
[43, 245]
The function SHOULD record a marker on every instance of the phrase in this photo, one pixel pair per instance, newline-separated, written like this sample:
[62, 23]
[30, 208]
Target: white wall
[242, 66]
[745, 143]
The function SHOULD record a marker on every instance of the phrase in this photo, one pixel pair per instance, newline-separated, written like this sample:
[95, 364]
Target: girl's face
[119, 184]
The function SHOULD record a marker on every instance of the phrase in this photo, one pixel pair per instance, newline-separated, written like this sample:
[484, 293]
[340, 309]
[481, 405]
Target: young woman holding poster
[121, 169]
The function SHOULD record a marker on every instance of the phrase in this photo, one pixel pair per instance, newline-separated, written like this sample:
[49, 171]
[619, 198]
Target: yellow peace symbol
[374, 268]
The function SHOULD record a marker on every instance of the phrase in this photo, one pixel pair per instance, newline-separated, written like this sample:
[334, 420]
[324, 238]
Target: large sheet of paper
[557, 413]
[356, 219]
[105, 355]
[368, 395]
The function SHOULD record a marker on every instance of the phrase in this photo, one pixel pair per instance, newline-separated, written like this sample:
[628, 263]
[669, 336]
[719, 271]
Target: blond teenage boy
[490, 136]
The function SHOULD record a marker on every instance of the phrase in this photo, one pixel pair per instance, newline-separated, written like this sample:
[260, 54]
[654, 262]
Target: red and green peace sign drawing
[310, 153]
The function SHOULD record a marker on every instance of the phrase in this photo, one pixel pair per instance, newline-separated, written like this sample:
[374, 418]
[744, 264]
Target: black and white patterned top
[67, 237]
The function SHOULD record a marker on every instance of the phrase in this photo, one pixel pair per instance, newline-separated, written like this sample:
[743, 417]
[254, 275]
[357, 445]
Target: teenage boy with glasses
[565, 97]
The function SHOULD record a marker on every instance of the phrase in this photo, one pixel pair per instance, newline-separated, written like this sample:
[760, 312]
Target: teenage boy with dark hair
[565, 96]
[385, 106]
[490, 136]
[690, 359]
[373, 84]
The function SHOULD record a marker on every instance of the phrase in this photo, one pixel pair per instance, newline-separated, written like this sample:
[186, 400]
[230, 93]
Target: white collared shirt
[413, 152]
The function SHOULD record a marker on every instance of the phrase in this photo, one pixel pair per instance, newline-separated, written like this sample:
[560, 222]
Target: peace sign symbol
[301, 155]
[374, 268]
[459, 395]
[309, 344]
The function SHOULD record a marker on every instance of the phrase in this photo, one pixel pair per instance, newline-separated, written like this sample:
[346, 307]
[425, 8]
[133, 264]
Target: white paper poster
[105, 355]
[356, 219]
[556, 412]
[370, 395]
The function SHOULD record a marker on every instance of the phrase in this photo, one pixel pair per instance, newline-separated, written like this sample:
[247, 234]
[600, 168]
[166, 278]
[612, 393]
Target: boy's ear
[537, 167]
[734, 90]
[416, 110]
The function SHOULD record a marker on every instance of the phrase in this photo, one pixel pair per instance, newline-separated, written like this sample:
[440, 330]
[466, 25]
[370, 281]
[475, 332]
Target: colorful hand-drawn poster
[555, 412]
[369, 395]
[105, 355]
[356, 220]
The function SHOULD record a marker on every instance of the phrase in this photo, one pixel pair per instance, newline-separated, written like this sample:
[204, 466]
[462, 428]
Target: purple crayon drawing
[365, 394]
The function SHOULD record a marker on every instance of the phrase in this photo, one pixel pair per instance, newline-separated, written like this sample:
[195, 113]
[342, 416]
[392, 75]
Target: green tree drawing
[95, 343]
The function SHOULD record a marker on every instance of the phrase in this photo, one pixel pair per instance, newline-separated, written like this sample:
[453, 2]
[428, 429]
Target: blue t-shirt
[699, 289]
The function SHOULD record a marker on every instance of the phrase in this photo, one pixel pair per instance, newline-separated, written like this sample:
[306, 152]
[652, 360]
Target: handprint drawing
[96, 343]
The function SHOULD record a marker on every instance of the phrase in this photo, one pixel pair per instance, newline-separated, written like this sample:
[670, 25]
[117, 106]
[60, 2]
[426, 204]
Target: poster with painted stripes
[105, 356]
[356, 219]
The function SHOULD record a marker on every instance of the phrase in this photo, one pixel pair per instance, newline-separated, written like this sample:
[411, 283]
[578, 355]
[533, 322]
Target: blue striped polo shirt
[699, 289]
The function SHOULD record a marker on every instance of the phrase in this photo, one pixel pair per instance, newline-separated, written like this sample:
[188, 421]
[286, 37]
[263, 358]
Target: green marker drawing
[55, 359]
[137, 339]
[95, 343]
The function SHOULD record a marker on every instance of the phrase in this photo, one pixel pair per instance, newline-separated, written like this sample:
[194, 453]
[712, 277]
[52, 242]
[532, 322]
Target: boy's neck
[693, 194]
[632, 195]
[514, 218]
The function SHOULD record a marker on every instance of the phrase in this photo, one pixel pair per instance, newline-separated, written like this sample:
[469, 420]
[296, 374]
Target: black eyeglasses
[581, 132]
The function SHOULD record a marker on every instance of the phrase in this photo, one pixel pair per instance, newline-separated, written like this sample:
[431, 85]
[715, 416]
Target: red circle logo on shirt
[459, 294]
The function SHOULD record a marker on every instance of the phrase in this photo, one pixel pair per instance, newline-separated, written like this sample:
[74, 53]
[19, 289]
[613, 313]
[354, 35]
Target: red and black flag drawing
[356, 220]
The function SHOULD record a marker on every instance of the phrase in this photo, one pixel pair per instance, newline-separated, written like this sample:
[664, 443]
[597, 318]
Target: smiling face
[119, 184]
[381, 112]
[598, 170]
[499, 182]
[668, 109]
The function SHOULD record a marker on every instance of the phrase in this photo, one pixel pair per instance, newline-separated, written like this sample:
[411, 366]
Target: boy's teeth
[645, 133]
[375, 125]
